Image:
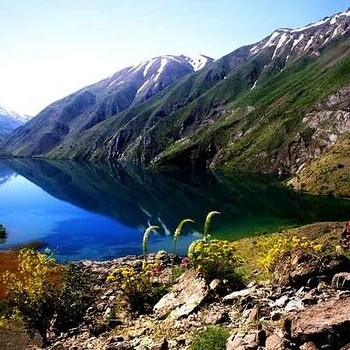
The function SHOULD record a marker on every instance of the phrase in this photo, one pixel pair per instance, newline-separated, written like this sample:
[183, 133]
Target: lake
[100, 211]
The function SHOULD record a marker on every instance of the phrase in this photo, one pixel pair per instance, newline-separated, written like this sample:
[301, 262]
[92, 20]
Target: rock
[282, 301]
[294, 305]
[324, 324]
[215, 284]
[246, 341]
[239, 294]
[341, 281]
[186, 296]
[309, 346]
[253, 315]
[119, 346]
[275, 342]
[297, 268]
[218, 318]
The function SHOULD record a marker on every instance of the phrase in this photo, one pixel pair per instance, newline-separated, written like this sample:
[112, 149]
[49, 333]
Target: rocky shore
[306, 306]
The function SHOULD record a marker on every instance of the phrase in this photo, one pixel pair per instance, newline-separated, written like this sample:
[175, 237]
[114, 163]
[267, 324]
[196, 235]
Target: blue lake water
[100, 211]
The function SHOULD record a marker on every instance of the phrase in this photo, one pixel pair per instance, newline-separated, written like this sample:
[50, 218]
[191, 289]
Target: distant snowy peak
[293, 42]
[4, 112]
[9, 121]
[195, 62]
[151, 76]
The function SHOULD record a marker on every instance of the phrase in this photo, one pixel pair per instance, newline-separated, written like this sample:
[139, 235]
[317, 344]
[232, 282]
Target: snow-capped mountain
[93, 104]
[164, 109]
[9, 121]
[151, 76]
[309, 38]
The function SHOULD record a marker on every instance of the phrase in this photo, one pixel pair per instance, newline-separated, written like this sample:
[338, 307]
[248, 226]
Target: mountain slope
[89, 106]
[252, 109]
[193, 120]
[9, 121]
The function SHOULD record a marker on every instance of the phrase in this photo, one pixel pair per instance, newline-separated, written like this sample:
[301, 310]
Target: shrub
[214, 338]
[215, 259]
[271, 248]
[140, 288]
[35, 294]
[74, 299]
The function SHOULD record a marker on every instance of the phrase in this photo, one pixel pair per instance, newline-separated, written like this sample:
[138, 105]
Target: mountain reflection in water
[100, 210]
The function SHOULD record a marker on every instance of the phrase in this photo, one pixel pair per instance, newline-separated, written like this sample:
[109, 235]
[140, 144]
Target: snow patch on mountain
[297, 41]
[293, 42]
[142, 87]
[163, 63]
[148, 66]
[198, 62]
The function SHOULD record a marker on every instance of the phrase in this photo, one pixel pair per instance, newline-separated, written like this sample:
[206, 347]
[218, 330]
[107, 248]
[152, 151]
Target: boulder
[239, 294]
[275, 341]
[297, 268]
[324, 324]
[341, 281]
[251, 340]
[186, 296]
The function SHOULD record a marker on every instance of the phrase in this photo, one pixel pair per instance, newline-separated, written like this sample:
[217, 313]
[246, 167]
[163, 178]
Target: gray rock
[239, 294]
[186, 296]
[282, 301]
[294, 305]
[341, 281]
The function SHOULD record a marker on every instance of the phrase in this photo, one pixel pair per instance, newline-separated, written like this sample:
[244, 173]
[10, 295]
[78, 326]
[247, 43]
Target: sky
[51, 48]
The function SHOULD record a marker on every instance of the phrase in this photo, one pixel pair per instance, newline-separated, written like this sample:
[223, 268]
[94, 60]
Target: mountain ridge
[242, 111]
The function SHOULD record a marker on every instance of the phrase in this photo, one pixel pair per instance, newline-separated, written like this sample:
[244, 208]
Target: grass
[214, 338]
[328, 234]
[330, 174]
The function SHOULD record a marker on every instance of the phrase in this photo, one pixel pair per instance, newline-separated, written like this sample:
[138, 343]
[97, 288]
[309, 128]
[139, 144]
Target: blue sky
[51, 48]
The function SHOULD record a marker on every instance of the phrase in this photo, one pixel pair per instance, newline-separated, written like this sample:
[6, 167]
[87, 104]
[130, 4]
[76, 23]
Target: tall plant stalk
[207, 222]
[178, 231]
[145, 240]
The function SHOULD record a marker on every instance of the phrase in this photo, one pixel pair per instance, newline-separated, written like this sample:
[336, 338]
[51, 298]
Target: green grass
[330, 174]
[214, 338]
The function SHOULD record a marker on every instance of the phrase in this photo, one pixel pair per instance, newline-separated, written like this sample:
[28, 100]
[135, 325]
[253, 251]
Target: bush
[271, 248]
[214, 338]
[140, 288]
[35, 295]
[74, 299]
[215, 259]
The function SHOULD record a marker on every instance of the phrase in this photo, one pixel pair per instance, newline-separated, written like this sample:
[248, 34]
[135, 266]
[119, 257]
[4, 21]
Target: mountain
[274, 106]
[9, 121]
[80, 111]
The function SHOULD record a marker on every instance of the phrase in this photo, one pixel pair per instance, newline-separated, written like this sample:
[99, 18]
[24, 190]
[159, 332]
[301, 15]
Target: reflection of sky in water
[29, 214]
